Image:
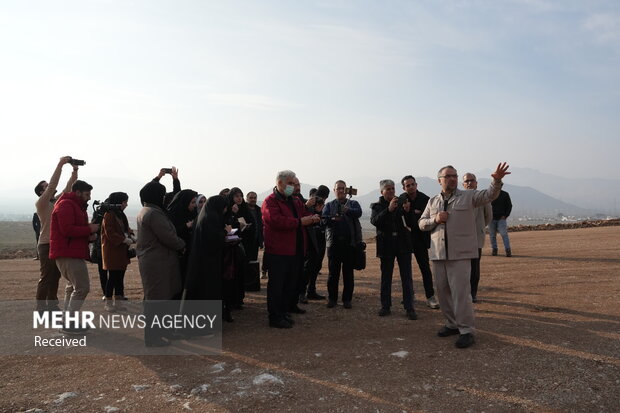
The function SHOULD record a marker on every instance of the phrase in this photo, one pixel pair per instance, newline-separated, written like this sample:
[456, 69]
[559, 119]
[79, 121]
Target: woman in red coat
[116, 237]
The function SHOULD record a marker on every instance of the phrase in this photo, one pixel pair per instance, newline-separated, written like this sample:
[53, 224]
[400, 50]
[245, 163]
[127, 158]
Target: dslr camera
[100, 208]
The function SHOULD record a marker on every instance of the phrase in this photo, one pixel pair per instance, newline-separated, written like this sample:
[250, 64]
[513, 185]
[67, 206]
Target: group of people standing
[193, 248]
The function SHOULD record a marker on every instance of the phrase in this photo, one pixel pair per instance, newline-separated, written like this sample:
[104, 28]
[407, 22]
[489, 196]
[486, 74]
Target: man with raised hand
[47, 288]
[450, 216]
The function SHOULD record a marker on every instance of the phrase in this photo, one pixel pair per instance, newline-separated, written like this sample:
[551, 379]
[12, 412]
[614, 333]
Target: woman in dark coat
[182, 212]
[204, 270]
[238, 209]
[116, 237]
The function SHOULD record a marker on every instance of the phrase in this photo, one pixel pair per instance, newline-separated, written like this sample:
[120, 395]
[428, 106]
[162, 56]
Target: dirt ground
[548, 339]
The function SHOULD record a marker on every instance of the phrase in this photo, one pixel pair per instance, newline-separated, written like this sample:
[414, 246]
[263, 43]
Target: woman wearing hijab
[204, 272]
[240, 217]
[182, 212]
[157, 250]
[116, 237]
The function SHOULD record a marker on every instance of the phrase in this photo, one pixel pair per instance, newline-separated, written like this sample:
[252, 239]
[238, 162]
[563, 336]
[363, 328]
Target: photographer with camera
[393, 242]
[47, 288]
[176, 184]
[116, 238]
[343, 233]
[70, 234]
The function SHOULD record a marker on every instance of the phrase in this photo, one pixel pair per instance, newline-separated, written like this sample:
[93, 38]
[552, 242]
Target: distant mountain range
[533, 194]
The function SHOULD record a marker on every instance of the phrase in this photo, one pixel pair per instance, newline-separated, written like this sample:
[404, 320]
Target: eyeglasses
[469, 181]
[449, 176]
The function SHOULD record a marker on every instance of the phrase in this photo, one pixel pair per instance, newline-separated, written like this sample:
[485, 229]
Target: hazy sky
[232, 91]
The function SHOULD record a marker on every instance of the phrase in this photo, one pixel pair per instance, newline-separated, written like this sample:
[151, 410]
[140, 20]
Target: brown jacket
[158, 249]
[460, 230]
[113, 247]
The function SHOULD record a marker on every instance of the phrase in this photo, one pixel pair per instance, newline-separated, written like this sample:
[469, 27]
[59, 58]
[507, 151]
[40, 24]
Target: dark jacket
[351, 218]
[280, 224]
[69, 231]
[392, 236]
[204, 270]
[257, 220]
[502, 206]
[418, 237]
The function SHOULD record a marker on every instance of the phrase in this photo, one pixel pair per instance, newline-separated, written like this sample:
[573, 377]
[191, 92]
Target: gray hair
[443, 168]
[385, 182]
[283, 175]
[472, 175]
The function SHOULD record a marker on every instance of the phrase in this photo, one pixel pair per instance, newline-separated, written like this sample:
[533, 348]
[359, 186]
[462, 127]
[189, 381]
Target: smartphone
[167, 170]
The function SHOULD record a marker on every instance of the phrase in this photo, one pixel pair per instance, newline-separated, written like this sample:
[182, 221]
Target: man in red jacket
[284, 217]
[70, 234]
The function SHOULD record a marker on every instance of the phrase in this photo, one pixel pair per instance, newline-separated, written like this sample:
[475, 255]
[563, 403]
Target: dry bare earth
[548, 340]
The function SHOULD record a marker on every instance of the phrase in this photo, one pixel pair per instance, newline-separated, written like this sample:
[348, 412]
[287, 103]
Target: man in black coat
[393, 242]
[421, 241]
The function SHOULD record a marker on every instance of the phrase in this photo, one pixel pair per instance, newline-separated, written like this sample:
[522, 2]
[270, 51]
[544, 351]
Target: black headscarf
[118, 198]
[153, 193]
[180, 215]
[178, 208]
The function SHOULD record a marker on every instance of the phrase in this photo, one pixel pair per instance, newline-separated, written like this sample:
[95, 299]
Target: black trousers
[114, 283]
[282, 284]
[387, 269]
[421, 256]
[340, 257]
[312, 266]
[475, 274]
[118, 285]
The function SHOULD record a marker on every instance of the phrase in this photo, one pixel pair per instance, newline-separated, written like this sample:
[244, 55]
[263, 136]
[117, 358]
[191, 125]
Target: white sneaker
[432, 302]
[109, 306]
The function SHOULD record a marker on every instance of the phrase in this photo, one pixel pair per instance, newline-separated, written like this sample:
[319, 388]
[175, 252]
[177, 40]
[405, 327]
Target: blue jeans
[495, 226]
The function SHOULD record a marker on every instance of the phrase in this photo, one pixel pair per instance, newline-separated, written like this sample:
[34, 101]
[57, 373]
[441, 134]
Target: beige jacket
[45, 203]
[460, 231]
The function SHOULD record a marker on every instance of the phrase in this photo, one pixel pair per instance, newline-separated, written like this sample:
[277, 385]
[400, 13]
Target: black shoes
[315, 296]
[447, 331]
[288, 318]
[508, 253]
[494, 252]
[331, 304]
[384, 311]
[411, 314]
[297, 310]
[465, 340]
[347, 305]
[280, 324]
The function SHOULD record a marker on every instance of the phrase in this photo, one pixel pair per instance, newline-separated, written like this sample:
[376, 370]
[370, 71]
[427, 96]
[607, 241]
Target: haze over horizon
[233, 92]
